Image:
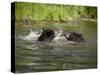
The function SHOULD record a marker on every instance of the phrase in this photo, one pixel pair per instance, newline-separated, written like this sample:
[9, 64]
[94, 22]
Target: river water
[60, 54]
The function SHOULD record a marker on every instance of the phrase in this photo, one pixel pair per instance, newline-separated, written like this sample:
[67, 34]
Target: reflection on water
[60, 54]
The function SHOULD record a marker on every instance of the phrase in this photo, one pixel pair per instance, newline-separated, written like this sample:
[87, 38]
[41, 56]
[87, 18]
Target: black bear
[47, 35]
[73, 36]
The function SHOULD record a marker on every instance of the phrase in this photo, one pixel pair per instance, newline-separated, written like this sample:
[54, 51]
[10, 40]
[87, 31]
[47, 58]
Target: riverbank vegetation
[28, 12]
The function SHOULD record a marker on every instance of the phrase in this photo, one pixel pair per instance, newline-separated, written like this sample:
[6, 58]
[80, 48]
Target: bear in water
[73, 36]
[47, 35]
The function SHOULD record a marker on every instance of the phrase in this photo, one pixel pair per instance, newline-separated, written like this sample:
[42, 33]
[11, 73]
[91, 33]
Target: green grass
[52, 12]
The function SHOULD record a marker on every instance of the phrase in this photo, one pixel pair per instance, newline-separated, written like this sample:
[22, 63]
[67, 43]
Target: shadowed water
[59, 54]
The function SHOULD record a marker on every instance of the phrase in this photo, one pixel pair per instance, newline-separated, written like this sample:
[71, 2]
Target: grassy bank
[50, 12]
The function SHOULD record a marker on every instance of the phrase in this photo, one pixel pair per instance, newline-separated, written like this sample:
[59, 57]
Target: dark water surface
[60, 54]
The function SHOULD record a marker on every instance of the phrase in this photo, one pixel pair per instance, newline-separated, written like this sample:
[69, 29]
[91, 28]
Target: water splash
[33, 35]
[59, 37]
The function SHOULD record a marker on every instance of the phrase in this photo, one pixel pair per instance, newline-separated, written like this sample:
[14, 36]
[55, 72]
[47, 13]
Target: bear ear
[80, 34]
[43, 29]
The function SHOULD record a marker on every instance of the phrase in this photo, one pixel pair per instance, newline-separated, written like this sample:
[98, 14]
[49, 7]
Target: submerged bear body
[47, 35]
[73, 36]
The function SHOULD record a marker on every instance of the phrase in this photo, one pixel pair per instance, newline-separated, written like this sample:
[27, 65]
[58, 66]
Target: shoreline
[63, 21]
